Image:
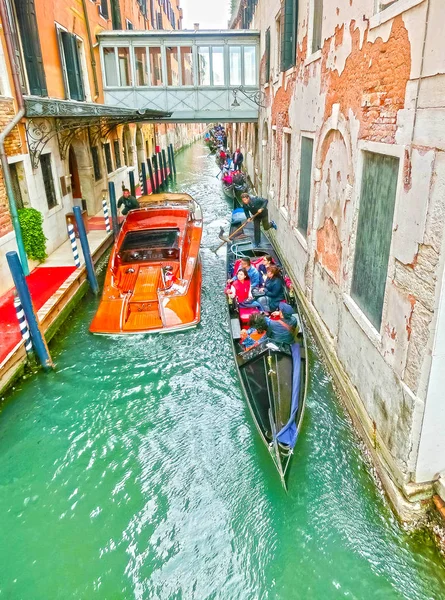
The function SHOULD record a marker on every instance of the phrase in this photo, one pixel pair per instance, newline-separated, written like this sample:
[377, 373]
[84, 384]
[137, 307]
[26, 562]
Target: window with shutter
[159, 15]
[16, 46]
[374, 234]
[304, 193]
[289, 34]
[267, 52]
[116, 20]
[317, 25]
[27, 21]
[72, 66]
[48, 180]
[152, 14]
[103, 8]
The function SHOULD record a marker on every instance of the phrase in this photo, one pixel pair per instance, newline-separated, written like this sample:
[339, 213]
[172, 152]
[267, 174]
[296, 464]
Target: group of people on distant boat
[263, 288]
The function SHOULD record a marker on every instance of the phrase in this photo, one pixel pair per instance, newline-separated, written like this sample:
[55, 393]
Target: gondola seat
[245, 313]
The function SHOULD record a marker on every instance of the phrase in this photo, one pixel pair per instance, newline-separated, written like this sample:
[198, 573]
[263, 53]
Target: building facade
[69, 145]
[349, 150]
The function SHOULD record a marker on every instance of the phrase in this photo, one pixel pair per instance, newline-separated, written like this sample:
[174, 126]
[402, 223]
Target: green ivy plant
[31, 223]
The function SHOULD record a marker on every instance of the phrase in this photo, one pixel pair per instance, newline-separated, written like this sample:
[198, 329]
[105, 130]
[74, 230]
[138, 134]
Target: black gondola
[273, 376]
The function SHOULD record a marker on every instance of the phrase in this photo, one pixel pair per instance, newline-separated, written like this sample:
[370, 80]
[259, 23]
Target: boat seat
[236, 328]
[244, 314]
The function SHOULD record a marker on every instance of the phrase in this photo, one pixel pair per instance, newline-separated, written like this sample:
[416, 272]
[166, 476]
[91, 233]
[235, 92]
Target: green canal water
[134, 471]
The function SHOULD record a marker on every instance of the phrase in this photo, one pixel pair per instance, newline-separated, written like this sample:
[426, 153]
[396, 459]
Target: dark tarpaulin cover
[288, 435]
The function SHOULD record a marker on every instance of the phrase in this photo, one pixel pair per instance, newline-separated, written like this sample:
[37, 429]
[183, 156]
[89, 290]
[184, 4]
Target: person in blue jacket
[273, 290]
[283, 327]
[252, 272]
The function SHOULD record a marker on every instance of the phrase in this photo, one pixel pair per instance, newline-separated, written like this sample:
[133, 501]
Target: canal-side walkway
[55, 286]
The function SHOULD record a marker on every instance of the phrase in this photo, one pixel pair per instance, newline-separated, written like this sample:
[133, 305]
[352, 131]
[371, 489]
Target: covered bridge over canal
[197, 76]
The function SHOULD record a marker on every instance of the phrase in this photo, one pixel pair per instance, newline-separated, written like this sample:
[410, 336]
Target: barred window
[117, 154]
[96, 163]
[48, 180]
[108, 159]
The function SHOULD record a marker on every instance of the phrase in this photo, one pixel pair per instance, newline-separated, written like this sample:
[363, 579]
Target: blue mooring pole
[155, 172]
[164, 161]
[172, 152]
[150, 175]
[113, 208]
[132, 186]
[38, 340]
[144, 180]
[86, 250]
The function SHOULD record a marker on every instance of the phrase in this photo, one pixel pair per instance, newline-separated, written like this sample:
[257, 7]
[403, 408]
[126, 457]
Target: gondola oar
[215, 250]
[274, 444]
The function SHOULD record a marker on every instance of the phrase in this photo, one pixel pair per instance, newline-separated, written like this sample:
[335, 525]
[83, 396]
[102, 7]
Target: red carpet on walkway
[42, 282]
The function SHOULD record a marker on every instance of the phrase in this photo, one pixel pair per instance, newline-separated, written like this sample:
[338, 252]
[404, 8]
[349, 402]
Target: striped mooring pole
[72, 237]
[23, 324]
[144, 188]
[21, 286]
[106, 216]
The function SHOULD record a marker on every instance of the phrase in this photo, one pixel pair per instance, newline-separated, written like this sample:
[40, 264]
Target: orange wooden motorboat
[153, 281]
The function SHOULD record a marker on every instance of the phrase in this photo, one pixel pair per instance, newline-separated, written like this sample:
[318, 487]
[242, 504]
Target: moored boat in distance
[153, 279]
[273, 375]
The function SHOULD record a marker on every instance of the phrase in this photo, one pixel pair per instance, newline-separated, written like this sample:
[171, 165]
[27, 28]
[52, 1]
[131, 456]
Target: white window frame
[397, 151]
[384, 15]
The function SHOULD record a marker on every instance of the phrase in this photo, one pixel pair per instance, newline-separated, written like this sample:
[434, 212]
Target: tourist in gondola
[281, 325]
[252, 272]
[238, 159]
[128, 201]
[273, 290]
[252, 337]
[266, 262]
[240, 290]
[254, 205]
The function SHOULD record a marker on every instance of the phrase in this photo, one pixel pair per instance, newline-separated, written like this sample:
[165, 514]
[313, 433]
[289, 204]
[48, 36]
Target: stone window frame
[397, 151]
[304, 241]
[285, 167]
[386, 14]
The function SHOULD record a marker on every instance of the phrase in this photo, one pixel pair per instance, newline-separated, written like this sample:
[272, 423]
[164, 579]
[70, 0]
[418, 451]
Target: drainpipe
[90, 45]
[3, 135]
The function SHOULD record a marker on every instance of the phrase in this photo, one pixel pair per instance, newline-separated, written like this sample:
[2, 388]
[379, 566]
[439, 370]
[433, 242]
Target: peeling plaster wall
[360, 92]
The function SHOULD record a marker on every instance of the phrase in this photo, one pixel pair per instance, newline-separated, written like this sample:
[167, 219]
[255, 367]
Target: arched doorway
[79, 164]
[76, 189]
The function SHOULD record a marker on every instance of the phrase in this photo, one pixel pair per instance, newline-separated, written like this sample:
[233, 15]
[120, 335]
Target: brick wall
[12, 146]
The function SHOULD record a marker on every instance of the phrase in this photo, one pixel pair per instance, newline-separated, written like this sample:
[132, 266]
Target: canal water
[134, 471]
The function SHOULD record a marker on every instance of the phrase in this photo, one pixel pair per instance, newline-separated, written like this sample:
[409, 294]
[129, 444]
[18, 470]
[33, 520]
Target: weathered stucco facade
[374, 87]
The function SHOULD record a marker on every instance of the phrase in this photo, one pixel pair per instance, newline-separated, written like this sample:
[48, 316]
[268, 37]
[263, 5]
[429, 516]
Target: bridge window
[186, 58]
[204, 65]
[250, 65]
[141, 64]
[218, 65]
[172, 65]
[123, 55]
[235, 65]
[110, 67]
[155, 66]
